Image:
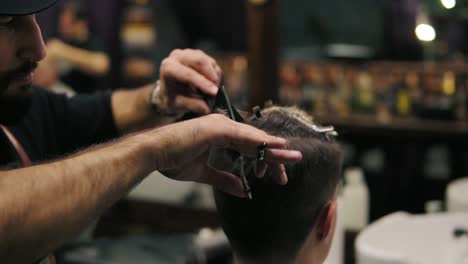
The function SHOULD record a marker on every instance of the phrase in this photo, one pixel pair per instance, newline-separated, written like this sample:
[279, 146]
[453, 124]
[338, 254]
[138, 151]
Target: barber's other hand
[181, 75]
[55, 48]
[182, 152]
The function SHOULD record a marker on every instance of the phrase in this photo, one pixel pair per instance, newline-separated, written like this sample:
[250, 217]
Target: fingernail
[297, 154]
[214, 89]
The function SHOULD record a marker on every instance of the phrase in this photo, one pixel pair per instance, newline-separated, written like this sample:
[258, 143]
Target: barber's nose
[32, 46]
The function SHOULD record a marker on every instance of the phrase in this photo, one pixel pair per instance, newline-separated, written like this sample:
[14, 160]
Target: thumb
[224, 181]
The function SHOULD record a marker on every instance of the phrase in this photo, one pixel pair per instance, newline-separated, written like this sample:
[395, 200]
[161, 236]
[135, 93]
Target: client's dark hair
[278, 219]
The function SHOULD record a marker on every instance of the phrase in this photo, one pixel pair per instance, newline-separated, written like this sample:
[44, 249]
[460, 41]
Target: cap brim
[24, 7]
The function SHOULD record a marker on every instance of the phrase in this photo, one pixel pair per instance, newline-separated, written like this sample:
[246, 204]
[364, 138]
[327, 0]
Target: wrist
[142, 146]
[156, 150]
[159, 102]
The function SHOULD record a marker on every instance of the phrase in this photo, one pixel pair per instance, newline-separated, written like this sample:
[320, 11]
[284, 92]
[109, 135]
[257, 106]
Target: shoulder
[43, 96]
[44, 100]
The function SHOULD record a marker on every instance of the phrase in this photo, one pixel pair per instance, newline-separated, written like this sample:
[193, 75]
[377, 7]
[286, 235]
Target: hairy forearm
[42, 207]
[132, 110]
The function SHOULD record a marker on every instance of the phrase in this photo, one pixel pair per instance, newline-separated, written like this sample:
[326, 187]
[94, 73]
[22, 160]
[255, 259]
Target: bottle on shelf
[355, 199]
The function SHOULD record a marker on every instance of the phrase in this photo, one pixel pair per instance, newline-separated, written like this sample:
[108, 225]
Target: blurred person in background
[304, 211]
[77, 59]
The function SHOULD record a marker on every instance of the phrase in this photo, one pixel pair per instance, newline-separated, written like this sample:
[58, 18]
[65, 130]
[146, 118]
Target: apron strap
[18, 147]
[26, 163]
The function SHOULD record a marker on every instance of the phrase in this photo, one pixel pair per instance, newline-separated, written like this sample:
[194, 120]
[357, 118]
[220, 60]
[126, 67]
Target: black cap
[24, 7]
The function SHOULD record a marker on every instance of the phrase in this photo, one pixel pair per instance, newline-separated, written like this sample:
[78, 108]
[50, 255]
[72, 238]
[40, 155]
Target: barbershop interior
[387, 79]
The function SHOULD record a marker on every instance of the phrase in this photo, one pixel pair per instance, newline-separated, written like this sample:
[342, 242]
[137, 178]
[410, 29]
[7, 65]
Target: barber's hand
[183, 75]
[182, 152]
[55, 48]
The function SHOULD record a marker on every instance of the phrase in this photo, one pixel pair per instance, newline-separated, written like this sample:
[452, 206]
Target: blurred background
[390, 75]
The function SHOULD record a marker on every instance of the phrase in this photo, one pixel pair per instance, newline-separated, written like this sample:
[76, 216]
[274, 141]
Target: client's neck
[262, 260]
[311, 259]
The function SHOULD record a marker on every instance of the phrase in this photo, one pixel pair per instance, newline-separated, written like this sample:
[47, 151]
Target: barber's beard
[15, 101]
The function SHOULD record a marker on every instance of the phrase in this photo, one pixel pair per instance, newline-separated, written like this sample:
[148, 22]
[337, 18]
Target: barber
[44, 205]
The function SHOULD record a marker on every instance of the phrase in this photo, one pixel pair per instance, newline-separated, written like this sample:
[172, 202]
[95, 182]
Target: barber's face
[21, 47]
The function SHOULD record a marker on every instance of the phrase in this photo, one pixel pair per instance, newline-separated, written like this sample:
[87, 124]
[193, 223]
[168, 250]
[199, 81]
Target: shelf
[397, 127]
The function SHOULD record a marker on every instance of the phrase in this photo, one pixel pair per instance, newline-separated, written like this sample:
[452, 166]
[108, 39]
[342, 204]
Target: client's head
[293, 223]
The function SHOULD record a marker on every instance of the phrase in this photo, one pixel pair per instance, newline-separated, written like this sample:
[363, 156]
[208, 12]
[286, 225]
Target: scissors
[225, 158]
[222, 102]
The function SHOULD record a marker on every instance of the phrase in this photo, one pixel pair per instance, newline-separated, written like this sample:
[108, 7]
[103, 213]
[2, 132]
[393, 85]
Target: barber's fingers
[199, 61]
[172, 69]
[261, 169]
[224, 181]
[247, 139]
[240, 136]
[282, 155]
[278, 172]
[219, 71]
[189, 104]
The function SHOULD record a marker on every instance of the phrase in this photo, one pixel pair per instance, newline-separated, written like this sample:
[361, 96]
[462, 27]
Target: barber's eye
[4, 20]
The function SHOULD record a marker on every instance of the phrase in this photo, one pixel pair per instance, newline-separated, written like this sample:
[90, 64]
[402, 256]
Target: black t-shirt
[56, 126]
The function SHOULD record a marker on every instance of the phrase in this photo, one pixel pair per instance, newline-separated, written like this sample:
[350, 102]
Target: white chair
[402, 238]
[457, 196]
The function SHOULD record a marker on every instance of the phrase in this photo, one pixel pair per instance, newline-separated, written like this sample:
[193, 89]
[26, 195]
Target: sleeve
[87, 120]
[56, 125]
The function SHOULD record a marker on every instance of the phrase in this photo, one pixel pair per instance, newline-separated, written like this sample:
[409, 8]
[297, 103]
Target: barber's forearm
[132, 110]
[42, 207]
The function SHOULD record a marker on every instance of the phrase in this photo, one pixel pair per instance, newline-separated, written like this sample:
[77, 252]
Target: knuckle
[165, 64]
[200, 57]
[189, 75]
[219, 127]
[213, 62]
[175, 53]
[201, 53]
[189, 51]
[196, 51]
[219, 118]
[199, 62]
[223, 123]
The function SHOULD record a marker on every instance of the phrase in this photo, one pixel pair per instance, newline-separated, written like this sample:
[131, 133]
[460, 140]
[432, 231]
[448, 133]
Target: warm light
[449, 4]
[425, 32]
[449, 83]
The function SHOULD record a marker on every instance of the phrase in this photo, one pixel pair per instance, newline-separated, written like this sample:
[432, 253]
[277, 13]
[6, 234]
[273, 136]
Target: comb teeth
[257, 111]
[322, 129]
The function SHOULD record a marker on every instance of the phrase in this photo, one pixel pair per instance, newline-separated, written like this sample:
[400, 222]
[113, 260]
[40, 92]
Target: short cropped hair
[277, 221]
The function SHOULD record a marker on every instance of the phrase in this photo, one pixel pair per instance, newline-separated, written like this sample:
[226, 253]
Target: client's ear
[326, 221]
